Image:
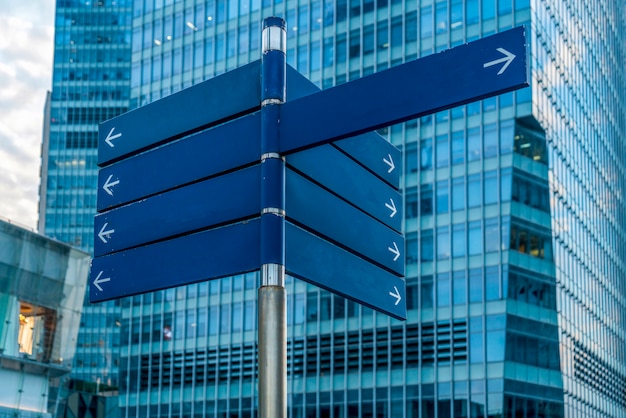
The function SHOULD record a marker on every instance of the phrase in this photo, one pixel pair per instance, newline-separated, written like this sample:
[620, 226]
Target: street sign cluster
[179, 185]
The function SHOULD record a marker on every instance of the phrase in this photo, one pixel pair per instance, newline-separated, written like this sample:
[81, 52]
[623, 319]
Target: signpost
[196, 187]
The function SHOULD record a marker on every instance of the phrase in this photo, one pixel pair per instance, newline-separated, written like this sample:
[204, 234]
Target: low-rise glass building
[42, 285]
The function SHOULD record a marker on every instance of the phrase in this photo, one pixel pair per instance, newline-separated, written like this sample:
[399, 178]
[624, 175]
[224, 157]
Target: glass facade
[42, 283]
[514, 223]
[91, 77]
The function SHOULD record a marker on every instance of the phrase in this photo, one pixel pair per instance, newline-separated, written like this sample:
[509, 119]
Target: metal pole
[272, 361]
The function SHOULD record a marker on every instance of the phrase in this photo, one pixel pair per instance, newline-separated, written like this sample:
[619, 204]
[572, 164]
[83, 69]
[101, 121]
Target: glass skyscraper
[514, 223]
[91, 77]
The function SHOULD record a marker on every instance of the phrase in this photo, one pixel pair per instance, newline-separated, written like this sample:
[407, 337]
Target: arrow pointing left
[507, 59]
[108, 184]
[104, 235]
[110, 137]
[98, 280]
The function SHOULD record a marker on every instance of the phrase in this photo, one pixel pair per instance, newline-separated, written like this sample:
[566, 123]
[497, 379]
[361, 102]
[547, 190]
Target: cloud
[25, 76]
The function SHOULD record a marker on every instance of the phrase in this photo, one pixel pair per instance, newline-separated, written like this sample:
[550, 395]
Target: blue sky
[26, 50]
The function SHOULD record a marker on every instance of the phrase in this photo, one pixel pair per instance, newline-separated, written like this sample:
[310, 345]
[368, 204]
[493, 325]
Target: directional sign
[487, 67]
[369, 149]
[335, 219]
[376, 154]
[323, 264]
[213, 101]
[224, 199]
[206, 255]
[338, 173]
[225, 147]
[180, 189]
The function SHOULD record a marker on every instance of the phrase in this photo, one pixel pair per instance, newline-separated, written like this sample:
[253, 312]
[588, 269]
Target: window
[442, 154]
[411, 159]
[426, 245]
[441, 17]
[476, 345]
[458, 193]
[442, 196]
[411, 205]
[426, 199]
[411, 27]
[340, 51]
[443, 289]
[505, 184]
[492, 283]
[489, 9]
[426, 291]
[490, 140]
[475, 285]
[459, 243]
[458, 147]
[368, 39]
[456, 14]
[459, 288]
[426, 20]
[491, 187]
[36, 331]
[396, 31]
[474, 191]
[471, 11]
[355, 43]
[492, 235]
[329, 52]
[473, 144]
[475, 238]
[426, 160]
[443, 243]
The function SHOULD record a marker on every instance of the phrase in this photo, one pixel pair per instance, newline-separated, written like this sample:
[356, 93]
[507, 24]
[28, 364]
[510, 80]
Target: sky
[26, 50]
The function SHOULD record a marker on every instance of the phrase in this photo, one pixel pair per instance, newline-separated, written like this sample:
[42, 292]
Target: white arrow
[396, 295]
[108, 184]
[390, 163]
[110, 137]
[392, 208]
[395, 251]
[507, 59]
[98, 280]
[103, 235]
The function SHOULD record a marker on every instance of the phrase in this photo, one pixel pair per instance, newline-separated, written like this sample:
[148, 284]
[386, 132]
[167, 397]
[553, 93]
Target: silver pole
[272, 352]
[272, 360]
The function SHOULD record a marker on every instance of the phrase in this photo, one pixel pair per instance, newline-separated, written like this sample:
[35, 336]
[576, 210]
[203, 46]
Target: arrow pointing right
[108, 184]
[395, 251]
[396, 294]
[390, 163]
[98, 280]
[507, 59]
[391, 207]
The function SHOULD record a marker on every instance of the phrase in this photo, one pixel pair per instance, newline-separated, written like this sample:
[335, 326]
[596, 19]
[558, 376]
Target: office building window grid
[514, 290]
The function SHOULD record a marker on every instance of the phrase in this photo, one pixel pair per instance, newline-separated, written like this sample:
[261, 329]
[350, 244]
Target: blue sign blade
[335, 171]
[206, 255]
[376, 154]
[323, 264]
[201, 205]
[338, 221]
[181, 113]
[484, 68]
[225, 147]
[370, 149]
